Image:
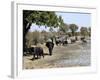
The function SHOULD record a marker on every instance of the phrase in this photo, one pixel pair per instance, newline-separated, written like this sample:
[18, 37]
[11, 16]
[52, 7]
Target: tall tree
[73, 28]
[45, 18]
[84, 31]
[89, 31]
[64, 28]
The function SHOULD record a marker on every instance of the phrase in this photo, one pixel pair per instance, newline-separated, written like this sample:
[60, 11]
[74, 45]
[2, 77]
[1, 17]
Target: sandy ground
[77, 54]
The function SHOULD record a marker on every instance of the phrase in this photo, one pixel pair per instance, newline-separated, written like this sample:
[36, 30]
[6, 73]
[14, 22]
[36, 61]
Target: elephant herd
[38, 52]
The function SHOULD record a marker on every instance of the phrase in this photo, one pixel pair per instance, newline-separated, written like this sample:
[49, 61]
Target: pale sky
[80, 19]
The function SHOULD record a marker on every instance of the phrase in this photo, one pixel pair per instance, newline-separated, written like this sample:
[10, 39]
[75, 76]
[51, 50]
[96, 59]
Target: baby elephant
[37, 52]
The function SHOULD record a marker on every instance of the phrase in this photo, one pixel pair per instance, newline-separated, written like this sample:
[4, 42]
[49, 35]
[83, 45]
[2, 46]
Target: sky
[80, 19]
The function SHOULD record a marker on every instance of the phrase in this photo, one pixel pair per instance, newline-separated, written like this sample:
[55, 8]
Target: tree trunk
[26, 27]
[72, 33]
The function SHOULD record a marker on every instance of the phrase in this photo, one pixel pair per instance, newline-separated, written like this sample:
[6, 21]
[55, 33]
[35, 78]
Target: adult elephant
[65, 42]
[37, 52]
[50, 45]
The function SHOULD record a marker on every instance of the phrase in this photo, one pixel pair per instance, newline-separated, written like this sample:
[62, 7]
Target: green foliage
[40, 18]
[45, 18]
[51, 30]
[61, 22]
[64, 28]
[89, 31]
[73, 28]
[84, 31]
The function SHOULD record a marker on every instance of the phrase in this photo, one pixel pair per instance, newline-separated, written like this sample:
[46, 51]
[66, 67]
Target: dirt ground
[71, 55]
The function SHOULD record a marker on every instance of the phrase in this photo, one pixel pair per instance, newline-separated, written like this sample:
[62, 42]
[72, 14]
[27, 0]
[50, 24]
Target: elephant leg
[33, 56]
[50, 51]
